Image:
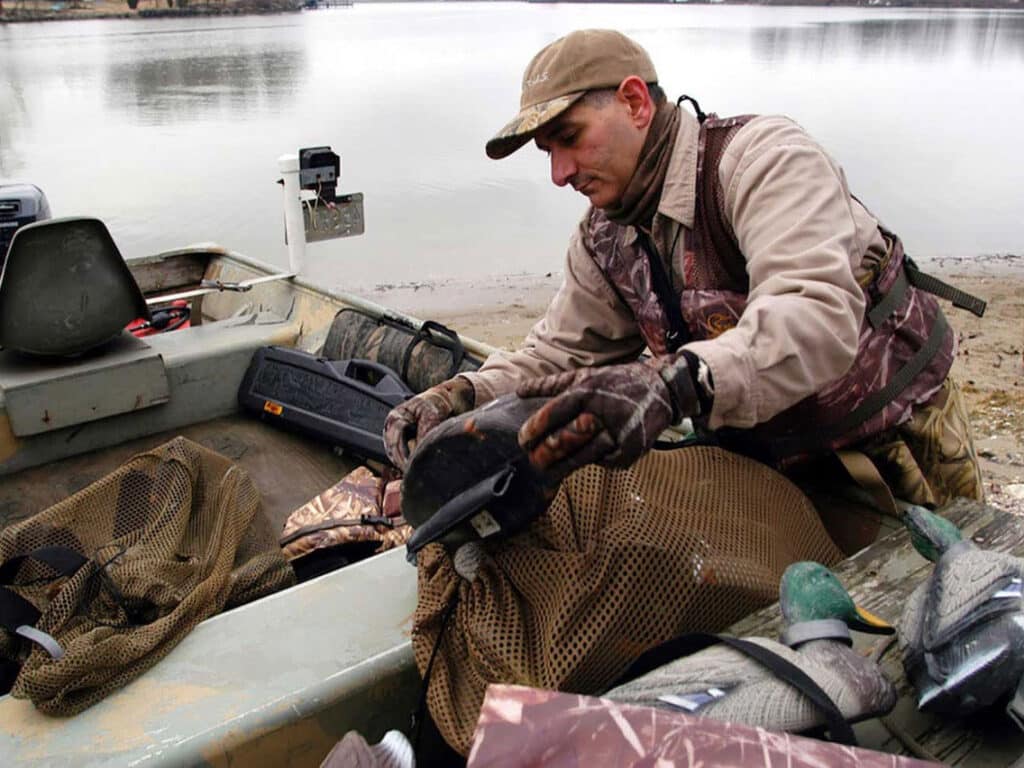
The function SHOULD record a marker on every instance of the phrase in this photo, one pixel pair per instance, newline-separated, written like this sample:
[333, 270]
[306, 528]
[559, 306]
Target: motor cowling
[20, 204]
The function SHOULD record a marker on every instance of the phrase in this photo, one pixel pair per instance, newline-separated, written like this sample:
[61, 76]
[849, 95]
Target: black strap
[960, 299]
[899, 382]
[892, 299]
[701, 117]
[419, 714]
[445, 338]
[8, 674]
[170, 318]
[911, 275]
[63, 560]
[328, 525]
[684, 645]
[790, 446]
[16, 611]
[164, 320]
[677, 334]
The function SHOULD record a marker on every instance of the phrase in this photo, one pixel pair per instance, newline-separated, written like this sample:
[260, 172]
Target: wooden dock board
[880, 578]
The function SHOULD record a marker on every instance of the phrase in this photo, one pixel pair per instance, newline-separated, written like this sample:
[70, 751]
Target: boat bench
[119, 400]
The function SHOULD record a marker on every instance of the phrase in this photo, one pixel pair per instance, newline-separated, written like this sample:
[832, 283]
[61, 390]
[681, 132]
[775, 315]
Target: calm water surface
[169, 129]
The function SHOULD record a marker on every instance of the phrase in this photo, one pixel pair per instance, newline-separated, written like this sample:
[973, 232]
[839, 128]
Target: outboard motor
[20, 204]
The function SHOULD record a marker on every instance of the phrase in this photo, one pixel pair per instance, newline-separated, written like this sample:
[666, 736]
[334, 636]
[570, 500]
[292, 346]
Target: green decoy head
[930, 534]
[811, 592]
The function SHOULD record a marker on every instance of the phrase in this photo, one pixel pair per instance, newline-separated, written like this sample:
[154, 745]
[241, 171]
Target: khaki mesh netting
[172, 536]
[690, 539]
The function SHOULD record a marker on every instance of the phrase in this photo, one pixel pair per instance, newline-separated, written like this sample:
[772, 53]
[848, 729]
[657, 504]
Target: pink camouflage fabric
[522, 727]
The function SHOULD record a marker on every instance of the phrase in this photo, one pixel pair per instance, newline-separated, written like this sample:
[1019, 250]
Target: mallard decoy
[725, 684]
[963, 628]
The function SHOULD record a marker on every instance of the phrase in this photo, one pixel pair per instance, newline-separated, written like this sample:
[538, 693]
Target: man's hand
[610, 415]
[413, 419]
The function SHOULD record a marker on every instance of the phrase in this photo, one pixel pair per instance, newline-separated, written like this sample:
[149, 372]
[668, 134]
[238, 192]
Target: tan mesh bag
[686, 540]
[172, 536]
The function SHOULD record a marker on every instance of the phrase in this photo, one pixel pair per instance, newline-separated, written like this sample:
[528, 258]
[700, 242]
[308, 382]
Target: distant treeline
[30, 10]
[217, 7]
[57, 10]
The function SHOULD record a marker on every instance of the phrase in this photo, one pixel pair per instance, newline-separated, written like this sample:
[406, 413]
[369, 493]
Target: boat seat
[65, 289]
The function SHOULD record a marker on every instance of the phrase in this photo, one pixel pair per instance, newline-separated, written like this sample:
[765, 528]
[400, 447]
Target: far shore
[508, 305]
[15, 11]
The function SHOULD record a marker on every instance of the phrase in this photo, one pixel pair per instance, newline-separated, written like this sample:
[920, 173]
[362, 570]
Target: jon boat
[278, 681]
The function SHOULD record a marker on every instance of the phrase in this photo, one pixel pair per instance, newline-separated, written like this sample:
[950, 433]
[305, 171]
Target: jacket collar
[678, 194]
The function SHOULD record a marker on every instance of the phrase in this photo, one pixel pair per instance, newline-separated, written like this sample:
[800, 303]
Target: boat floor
[881, 578]
[287, 469]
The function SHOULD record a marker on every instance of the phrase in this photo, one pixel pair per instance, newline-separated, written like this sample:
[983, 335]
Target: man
[780, 315]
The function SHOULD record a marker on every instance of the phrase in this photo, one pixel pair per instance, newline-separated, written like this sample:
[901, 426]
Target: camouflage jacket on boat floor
[350, 511]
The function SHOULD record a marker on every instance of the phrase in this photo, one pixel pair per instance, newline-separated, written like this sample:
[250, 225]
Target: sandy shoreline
[989, 365]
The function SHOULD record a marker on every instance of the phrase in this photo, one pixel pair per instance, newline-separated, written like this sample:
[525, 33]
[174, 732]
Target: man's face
[594, 146]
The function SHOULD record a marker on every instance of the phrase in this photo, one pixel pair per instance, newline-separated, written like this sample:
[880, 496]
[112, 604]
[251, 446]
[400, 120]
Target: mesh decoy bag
[122, 570]
[689, 539]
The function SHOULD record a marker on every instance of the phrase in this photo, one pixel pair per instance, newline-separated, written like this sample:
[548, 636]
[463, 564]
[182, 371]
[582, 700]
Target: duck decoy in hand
[962, 629]
[723, 683]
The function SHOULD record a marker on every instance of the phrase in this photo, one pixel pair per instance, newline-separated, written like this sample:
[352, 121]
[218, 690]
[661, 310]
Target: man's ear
[634, 94]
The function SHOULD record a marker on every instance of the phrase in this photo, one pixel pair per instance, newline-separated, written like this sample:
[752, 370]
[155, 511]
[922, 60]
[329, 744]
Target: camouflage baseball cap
[562, 72]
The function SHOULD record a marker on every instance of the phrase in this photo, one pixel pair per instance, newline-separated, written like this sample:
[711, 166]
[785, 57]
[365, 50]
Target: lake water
[170, 129]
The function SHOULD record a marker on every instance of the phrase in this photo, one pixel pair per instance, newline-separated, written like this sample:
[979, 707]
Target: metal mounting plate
[327, 221]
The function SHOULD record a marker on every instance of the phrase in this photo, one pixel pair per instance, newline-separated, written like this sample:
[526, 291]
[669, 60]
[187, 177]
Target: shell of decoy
[962, 629]
[444, 496]
[725, 684]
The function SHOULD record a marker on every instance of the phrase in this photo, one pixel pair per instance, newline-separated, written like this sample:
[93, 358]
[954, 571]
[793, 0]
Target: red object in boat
[173, 317]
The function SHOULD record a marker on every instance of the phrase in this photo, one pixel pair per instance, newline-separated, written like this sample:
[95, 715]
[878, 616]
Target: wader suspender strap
[18, 616]
[875, 402]
[709, 219]
[911, 275]
[676, 335]
[790, 446]
[684, 645]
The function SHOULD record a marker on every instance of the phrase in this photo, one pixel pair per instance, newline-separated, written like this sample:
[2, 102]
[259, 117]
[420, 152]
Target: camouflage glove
[414, 418]
[610, 415]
